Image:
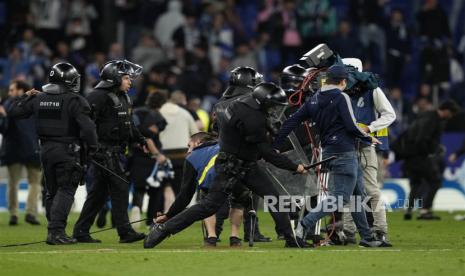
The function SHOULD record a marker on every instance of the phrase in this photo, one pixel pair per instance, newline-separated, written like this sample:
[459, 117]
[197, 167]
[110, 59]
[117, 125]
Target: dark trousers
[61, 177]
[104, 185]
[223, 186]
[424, 174]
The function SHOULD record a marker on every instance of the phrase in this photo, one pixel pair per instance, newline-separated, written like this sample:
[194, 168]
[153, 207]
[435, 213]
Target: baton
[109, 171]
[311, 166]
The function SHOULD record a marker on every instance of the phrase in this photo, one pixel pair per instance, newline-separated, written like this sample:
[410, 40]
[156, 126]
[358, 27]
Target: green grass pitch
[420, 248]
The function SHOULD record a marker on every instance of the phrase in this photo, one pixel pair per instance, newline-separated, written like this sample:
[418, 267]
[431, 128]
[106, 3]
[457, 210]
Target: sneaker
[87, 239]
[135, 216]
[31, 219]
[235, 242]
[156, 236]
[370, 243]
[131, 237]
[280, 237]
[381, 236]
[60, 239]
[296, 243]
[428, 216]
[13, 220]
[210, 242]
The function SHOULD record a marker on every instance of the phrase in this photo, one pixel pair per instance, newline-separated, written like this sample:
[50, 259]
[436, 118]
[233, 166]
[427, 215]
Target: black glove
[95, 154]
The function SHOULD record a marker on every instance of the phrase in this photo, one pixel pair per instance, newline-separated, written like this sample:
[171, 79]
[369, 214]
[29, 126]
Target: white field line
[155, 251]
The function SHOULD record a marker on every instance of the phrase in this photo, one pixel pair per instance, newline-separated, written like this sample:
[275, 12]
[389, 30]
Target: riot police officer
[111, 106]
[243, 141]
[292, 77]
[62, 117]
[242, 80]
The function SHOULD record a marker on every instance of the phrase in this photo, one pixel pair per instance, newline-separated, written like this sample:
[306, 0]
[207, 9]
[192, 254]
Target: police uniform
[116, 131]
[111, 110]
[61, 119]
[243, 141]
[235, 91]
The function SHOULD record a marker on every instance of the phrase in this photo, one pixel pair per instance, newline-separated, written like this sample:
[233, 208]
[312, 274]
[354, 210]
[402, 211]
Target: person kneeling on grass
[199, 172]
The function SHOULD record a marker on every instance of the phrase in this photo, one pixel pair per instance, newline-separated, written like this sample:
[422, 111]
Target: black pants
[104, 185]
[424, 174]
[62, 176]
[224, 185]
[141, 167]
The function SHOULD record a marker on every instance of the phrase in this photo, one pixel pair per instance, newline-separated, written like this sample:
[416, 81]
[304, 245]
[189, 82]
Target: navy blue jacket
[20, 142]
[198, 172]
[332, 113]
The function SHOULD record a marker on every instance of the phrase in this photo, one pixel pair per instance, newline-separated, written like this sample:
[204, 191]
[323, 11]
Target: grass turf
[420, 248]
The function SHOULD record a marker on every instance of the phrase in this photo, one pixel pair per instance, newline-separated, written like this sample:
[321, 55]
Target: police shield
[287, 183]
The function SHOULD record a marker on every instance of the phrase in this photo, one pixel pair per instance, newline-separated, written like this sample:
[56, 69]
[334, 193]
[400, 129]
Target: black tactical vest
[53, 118]
[118, 126]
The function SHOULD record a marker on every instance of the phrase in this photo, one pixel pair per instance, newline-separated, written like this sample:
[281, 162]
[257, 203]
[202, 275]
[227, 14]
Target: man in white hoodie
[374, 113]
[168, 22]
[181, 126]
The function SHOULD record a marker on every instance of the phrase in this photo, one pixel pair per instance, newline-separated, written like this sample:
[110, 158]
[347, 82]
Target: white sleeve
[193, 129]
[384, 108]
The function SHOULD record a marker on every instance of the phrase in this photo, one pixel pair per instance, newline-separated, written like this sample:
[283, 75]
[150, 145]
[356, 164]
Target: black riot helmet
[65, 75]
[268, 94]
[113, 71]
[245, 77]
[292, 77]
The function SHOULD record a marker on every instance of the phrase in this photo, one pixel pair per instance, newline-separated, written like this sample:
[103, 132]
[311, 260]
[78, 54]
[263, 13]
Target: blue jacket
[203, 160]
[331, 112]
[198, 173]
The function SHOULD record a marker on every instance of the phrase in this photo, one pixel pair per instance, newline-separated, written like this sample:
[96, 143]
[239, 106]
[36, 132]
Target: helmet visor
[131, 69]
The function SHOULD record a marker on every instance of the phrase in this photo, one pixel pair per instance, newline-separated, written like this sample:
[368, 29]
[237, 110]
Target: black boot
[131, 236]
[87, 239]
[296, 243]
[60, 239]
[31, 219]
[156, 235]
[13, 220]
[235, 242]
[210, 242]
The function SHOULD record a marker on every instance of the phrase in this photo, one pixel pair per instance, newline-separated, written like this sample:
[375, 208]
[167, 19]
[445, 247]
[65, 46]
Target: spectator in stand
[40, 62]
[148, 52]
[245, 56]
[92, 71]
[401, 107]
[188, 34]
[47, 17]
[316, 22]
[168, 22]
[15, 66]
[433, 27]
[346, 43]
[398, 47]
[153, 82]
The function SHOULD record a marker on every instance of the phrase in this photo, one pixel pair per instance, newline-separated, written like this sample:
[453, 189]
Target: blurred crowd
[417, 46]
